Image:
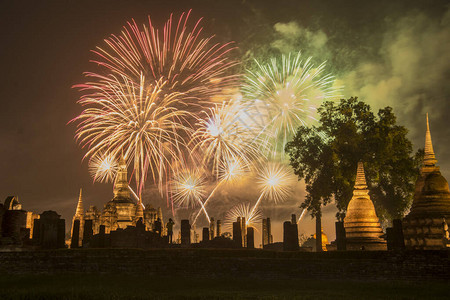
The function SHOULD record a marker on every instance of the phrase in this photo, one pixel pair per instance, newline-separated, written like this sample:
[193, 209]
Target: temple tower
[426, 225]
[361, 223]
[79, 215]
[124, 205]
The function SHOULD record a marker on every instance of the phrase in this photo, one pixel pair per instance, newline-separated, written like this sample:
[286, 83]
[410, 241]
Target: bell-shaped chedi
[425, 227]
[362, 227]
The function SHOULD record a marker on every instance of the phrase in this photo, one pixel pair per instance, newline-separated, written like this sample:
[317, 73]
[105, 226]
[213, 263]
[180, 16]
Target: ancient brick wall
[225, 263]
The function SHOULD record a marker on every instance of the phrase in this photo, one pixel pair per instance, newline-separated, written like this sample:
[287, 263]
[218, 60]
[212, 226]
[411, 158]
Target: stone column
[340, 236]
[250, 238]
[269, 231]
[237, 233]
[87, 232]
[36, 232]
[205, 234]
[219, 228]
[74, 242]
[185, 233]
[290, 236]
[102, 236]
[212, 229]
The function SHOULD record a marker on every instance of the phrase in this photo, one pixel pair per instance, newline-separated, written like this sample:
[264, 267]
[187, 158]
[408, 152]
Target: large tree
[326, 157]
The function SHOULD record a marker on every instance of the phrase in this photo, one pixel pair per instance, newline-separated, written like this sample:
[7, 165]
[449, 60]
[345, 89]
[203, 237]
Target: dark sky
[394, 53]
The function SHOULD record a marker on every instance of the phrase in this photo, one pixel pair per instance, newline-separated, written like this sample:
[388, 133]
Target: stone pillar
[250, 238]
[219, 228]
[269, 231]
[237, 233]
[265, 239]
[340, 236]
[102, 236]
[318, 233]
[290, 236]
[212, 229]
[74, 242]
[87, 233]
[36, 231]
[185, 233]
[293, 219]
[244, 231]
[399, 240]
[50, 235]
[205, 234]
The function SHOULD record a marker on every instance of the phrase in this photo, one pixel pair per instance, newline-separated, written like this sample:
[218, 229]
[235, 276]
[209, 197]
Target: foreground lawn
[82, 286]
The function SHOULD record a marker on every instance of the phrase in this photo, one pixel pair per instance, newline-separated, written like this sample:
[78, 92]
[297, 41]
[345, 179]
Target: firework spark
[243, 210]
[287, 94]
[103, 167]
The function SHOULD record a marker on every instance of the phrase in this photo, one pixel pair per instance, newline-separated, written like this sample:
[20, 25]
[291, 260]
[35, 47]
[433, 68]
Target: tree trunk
[318, 232]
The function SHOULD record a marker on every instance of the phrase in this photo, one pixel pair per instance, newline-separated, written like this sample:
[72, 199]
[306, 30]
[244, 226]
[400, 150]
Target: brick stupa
[362, 227]
[426, 225]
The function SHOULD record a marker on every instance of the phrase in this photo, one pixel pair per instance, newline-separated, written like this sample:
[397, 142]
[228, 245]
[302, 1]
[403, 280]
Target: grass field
[82, 286]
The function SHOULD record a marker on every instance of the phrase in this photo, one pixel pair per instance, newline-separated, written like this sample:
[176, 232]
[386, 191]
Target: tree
[326, 157]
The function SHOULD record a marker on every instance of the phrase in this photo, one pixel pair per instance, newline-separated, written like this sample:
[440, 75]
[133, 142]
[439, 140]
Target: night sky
[388, 53]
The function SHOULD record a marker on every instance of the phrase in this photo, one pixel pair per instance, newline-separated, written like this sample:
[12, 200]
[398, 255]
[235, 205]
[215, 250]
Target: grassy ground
[82, 286]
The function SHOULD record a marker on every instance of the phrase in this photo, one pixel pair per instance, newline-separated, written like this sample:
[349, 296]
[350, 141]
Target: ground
[82, 286]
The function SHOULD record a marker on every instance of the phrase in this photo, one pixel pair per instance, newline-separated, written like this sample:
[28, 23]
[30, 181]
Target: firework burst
[139, 120]
[276, 181]
[103, 167]
[188, 188]
[223, 138]
[146, 96]
[178, 53]
[287, 93]
[252, 217]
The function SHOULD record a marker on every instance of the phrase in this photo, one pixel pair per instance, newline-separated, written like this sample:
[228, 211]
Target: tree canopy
[326, 157]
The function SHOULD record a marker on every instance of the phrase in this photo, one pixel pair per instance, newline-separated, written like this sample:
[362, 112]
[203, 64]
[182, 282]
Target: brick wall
[233, 262]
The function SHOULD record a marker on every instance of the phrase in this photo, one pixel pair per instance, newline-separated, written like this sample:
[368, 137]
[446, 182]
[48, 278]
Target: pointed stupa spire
[360, 182]
[80, 209]
[429, 158]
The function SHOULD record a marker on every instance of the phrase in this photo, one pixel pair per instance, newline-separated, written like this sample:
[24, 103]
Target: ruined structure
[426, 225]
[119, 213]
[16, 224]
[362, 227]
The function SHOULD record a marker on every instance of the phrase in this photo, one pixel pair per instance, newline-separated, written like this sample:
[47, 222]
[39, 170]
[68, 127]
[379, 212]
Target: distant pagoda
[362, 227]
[426, 225]
[120, 212]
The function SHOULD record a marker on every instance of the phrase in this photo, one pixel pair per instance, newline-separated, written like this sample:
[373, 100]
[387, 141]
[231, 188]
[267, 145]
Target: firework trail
[146, 96]
[231, 170]
[287, 93]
